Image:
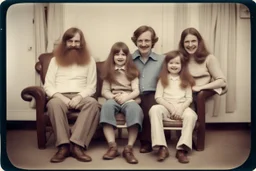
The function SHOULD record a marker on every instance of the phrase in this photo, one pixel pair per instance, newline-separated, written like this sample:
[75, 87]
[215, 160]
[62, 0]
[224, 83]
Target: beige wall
[104, 24]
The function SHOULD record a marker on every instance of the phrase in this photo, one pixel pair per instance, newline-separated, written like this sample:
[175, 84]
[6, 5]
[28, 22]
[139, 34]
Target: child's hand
[120, 98]
[179, 111]
[196, 88]
[175, 117]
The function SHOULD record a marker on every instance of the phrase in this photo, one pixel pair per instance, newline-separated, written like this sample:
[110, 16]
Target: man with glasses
[69, 83]
[149, 64]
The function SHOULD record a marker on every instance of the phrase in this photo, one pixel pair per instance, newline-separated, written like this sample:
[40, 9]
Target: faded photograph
[128, 85]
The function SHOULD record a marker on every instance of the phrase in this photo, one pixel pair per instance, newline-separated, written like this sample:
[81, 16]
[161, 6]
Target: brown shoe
[163, 153]
[182, 156]
[111, 153]
[78, 153]
[145, 147]
[128, 155]
[62, 153]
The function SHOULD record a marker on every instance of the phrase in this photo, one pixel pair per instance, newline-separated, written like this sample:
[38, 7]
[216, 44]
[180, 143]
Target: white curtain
[218, 28]
[180, 20]
[40, 39]
[55, 25]
[40, 32]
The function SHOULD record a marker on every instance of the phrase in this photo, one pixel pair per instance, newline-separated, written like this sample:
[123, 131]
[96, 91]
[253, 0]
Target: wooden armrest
[35, 91]
[200, 102]
[40, 96]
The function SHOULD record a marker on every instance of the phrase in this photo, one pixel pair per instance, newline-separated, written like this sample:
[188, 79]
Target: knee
[93, 101]
[108, 104]
[190, 115]
[153, 111]
[53, 102]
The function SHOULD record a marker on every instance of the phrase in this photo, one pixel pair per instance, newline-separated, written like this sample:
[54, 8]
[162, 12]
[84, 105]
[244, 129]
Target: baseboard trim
[31, 125]
[228, 126]
[21, 125]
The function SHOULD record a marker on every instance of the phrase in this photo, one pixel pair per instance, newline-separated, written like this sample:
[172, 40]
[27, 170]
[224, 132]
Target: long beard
[71, 56]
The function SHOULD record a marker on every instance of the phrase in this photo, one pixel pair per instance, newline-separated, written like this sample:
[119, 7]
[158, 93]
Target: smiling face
[144, 43]
[174, 66]
[191, 44]
[120, 58]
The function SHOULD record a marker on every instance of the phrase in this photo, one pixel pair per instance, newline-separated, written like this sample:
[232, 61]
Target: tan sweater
[123, 86]
[207, 71]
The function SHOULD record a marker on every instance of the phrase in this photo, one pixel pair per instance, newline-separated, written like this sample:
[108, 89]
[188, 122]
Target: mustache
[71, 48]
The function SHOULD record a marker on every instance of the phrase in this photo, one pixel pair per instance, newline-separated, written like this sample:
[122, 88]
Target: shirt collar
[119, 68]
[152, 55]
[173, 78]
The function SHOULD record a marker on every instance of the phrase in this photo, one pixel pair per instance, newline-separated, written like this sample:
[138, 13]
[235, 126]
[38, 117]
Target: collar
[152, 55]
[119, 68]
[170, 77]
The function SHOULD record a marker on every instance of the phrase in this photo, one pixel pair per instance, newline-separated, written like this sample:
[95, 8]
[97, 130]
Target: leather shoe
[78, 153]
[182, 156]
[128, 155]
[145, 148]
[163, 153]
[111, 153]
[62, 153]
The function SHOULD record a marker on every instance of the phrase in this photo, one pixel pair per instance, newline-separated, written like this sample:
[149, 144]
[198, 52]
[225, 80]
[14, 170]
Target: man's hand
[75, 101]
[63, 98]
[120, 98]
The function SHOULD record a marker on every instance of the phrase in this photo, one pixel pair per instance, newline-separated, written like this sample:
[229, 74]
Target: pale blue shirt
[149, 70]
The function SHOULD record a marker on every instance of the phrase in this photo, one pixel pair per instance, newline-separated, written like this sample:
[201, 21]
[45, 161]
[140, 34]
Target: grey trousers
[132, 111]
[83, 129]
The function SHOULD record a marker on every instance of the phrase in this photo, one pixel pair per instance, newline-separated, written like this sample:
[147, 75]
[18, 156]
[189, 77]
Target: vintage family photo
[128, 85]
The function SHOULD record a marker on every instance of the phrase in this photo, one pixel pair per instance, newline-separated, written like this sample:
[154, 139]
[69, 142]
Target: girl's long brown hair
[186, 78]
[108, 72]
[201, 53]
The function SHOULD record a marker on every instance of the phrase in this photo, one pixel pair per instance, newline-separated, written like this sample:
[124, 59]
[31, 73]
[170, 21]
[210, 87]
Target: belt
[147, 92]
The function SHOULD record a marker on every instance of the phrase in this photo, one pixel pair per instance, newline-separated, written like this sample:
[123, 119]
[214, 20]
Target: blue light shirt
[149, 70]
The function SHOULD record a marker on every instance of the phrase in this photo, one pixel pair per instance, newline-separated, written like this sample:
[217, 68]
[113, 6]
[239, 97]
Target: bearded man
[70, 82]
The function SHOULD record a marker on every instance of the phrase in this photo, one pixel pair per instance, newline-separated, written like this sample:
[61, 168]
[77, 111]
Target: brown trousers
[83, 129]
[147, 101]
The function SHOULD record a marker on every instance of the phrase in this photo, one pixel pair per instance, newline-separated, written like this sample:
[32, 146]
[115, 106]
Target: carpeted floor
[225, 149]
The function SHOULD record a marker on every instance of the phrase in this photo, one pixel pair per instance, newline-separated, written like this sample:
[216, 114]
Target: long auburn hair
[201, 52]
[186, 78]
[141, 30]
[61, 50]
[108, 72]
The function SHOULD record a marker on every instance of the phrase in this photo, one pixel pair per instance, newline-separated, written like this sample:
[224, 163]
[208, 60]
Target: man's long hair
[186, 78]
[68, 55]
[109, 72]
[201, 52]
